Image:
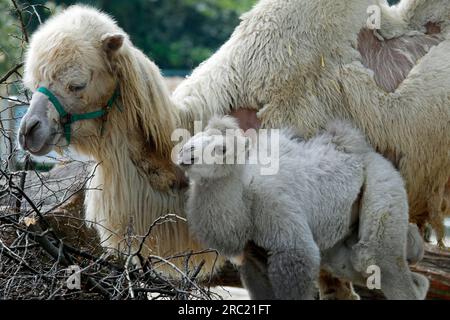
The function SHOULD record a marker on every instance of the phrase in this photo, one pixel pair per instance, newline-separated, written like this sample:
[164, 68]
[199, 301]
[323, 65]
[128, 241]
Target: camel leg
[338, 273]
[383, 204]
[397, 280]
[293, 274]
[390, 254]
[435, 205]
[401, 242]
[401, 284]
[254, 273]
[384, 231]
[256, 281]
[294, 266]
[415, 248]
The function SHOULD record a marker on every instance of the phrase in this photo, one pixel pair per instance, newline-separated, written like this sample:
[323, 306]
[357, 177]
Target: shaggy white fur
[305, 210]
[301, 63]
[135, 181]
[297, 63]
[293, 61]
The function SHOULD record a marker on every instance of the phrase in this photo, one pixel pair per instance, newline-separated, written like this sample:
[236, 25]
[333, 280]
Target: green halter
[67, 119]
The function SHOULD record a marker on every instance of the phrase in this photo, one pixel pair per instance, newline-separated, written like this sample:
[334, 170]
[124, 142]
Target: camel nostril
[32, 127]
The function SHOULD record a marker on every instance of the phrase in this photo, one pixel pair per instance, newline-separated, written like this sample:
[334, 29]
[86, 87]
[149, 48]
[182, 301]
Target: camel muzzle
[67, 119]
[35, 133]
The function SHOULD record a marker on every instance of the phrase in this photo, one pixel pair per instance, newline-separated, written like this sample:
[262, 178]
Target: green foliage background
[9, 44]
[176, 34]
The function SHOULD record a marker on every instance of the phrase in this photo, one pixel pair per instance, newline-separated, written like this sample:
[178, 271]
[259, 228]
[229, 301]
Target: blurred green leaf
[176, 34]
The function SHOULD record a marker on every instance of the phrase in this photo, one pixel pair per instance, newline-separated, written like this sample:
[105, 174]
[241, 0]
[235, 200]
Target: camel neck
[223, 190]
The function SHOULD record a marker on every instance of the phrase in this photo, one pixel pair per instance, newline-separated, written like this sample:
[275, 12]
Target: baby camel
[334, 203]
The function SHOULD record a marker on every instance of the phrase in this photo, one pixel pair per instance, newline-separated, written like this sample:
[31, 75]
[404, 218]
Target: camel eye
[221, 150]
[77, 87]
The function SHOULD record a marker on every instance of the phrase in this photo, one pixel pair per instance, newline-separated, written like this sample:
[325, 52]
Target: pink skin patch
[391, 60]
[247, 118]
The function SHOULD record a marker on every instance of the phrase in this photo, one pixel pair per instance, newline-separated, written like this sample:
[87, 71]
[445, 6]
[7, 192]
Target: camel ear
[112, 42]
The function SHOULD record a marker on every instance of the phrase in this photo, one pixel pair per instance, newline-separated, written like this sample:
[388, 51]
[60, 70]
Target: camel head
[69, 69]
[217, 152]
[93, 90]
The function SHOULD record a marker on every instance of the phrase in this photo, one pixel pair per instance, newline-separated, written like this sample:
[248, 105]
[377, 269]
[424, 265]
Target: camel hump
[348, 138]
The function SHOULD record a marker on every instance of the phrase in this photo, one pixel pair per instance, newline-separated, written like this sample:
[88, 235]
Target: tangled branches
[39, 242]
[47, 250]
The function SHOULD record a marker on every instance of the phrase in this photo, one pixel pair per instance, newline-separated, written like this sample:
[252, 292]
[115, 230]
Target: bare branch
[20, 18]
[11, 72]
